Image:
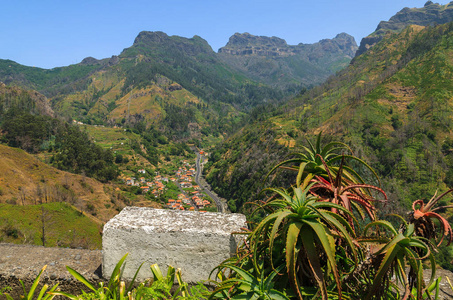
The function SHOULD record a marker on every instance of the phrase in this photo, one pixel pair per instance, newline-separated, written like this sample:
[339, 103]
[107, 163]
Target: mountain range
[391, 102]
[160, 74]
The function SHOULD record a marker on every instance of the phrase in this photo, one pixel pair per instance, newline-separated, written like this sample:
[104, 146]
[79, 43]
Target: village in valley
[187, 195]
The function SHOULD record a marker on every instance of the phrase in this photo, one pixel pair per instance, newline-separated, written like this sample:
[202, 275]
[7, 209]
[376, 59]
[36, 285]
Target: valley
[169, 123]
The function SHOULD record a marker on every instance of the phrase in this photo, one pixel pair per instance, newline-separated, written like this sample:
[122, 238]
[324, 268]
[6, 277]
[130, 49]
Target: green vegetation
[51, 224]
[391, 105]
[323, 239]
[160, 287]
[50, 82]
[75, 152]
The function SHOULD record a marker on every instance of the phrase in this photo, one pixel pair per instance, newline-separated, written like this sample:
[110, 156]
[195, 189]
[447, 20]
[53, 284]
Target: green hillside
[180, 85]
[64, 226]
[392, 105]
[431, 13]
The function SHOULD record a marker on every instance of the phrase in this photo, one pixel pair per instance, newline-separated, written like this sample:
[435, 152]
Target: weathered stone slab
[194, 241]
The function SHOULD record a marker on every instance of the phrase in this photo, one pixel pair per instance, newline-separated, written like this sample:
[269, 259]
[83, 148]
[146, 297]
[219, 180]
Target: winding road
[205, 186]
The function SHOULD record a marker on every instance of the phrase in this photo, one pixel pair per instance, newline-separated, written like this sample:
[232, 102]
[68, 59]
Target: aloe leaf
[317, 205]
[383, 268]
[268, 281]
[329, 249]
[300, 173]
[115, 277]
[347, 233]
[288, 161]
[291, 253]
[276, 295]
[284, 194]
[362, 162]
[333, 146]
[249, 279]
[245, 296]
[275, 227]
[308, 240]
[384, 223]
[35, 284]
[80, 278]
[318, 143]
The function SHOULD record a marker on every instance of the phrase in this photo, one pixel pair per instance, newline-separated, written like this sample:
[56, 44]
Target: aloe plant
[345, 193]
[422, 216]
[396, 251]
[308, 229]
[317, 159]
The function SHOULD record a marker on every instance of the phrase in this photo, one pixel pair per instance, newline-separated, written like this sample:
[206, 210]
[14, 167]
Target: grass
[64, 226]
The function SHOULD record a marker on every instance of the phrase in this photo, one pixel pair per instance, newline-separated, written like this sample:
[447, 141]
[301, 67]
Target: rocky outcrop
[247, 44]
[273, 61]
[194, 241]
[430, 14]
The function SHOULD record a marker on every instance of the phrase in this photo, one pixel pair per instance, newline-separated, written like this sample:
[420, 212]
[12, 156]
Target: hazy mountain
[272, 61]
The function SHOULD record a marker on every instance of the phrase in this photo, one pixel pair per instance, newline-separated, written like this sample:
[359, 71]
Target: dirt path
[25, 261]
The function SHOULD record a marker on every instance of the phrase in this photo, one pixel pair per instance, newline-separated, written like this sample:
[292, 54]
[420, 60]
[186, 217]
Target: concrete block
[194, 241]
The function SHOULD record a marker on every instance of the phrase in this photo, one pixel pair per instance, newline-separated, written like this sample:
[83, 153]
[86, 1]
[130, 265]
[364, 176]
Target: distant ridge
[273, 61]
[430, 14]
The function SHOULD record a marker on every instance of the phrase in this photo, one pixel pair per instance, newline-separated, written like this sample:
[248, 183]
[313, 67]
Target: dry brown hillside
[25, 180]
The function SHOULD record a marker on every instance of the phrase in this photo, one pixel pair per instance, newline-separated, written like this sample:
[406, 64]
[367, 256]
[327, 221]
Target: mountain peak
[150, 36]
[248, 40]
[153, 42]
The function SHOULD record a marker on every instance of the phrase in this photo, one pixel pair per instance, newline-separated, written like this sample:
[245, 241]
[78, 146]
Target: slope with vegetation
[180, 85]
[391, 105]
[428, 15]
[56, 224]
[321, 238]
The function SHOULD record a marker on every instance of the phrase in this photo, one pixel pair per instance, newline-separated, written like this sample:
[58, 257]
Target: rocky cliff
[273, 61]
[248, 44]
[430, 14]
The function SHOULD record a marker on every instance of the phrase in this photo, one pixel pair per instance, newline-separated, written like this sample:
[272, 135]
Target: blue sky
[52, 33]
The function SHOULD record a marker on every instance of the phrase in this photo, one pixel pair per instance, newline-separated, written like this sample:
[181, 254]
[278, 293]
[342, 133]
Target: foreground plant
[44, 293]
[115, 289]
[161, 287]
[423, 214]
[247, 286]
[399, 250]
[309, 245]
